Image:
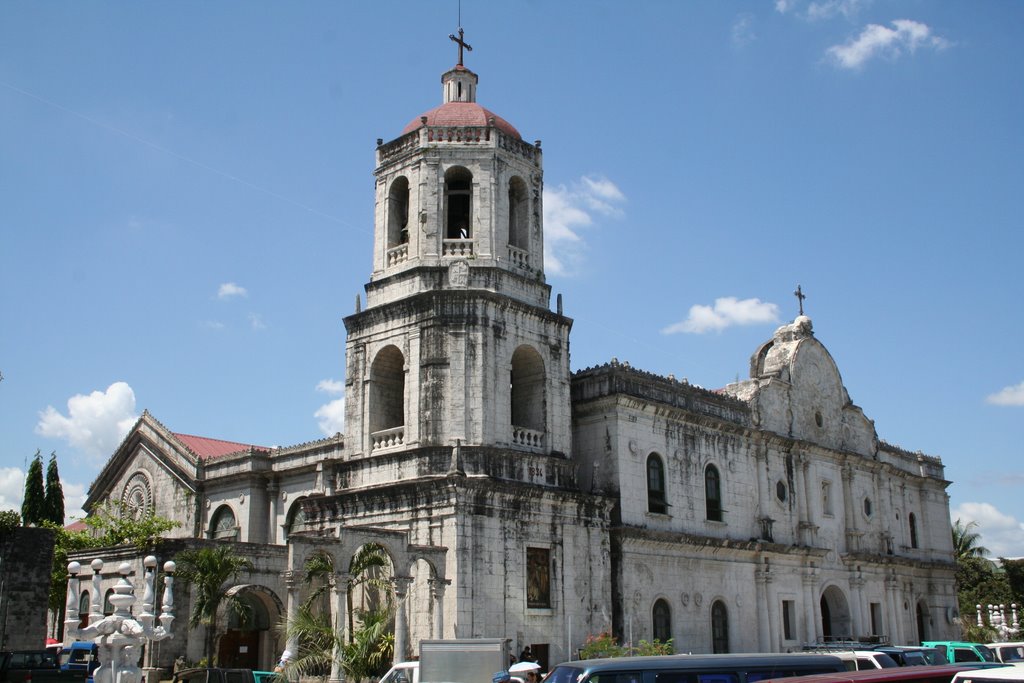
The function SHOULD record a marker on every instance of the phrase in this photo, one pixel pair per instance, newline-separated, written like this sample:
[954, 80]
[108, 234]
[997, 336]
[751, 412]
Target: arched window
[719, 628]
[458, 206]
[83, 609]
[656, 485]
[661, 620]
[526, 385]
[826, 497]
[387, 390]
[713, 494]
[223, 525]
[296, 520]
[398, 212]
[913, 530]
[518, 213]
[108, 606]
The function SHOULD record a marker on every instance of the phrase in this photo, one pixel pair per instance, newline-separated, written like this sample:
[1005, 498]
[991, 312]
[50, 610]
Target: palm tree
[368, 570]
[967, 543]
[210, 572]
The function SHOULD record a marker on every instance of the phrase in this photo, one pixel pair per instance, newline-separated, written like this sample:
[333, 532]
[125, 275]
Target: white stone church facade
[520, 499]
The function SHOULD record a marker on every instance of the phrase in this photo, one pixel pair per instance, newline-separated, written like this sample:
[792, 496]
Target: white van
[1000, 674]
[1009, 653]
[403, 672]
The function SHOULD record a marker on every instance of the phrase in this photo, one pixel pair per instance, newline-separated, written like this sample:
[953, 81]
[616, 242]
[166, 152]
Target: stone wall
[26, 557]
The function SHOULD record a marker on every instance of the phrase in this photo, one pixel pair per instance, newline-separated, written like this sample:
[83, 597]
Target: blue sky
[186, 206]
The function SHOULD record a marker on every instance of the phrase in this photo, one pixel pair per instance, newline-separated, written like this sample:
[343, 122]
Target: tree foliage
[9, 519]
[53, 500]
[32, 505]
[111, 524]
[210, 573]
[605, 645]
[966, 541]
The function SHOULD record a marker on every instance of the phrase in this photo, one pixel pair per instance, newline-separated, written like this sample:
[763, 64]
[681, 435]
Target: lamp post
[119, 637]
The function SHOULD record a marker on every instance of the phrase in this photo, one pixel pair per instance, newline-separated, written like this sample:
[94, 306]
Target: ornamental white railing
[457, 247]
[531, 438]
[519, 257]
[388, 438]
[396, 255]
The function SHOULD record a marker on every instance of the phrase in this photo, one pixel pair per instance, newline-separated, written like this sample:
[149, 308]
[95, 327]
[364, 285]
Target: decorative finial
[800, 296]
[462, 44]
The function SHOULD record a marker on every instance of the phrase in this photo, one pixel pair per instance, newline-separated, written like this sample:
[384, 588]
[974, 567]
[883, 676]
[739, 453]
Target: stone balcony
[457, 248]
[387, 438]
[527, 438]
[396, 255]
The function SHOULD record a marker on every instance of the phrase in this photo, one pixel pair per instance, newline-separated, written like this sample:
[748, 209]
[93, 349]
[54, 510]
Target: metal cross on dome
[800, 296]
[462, 44]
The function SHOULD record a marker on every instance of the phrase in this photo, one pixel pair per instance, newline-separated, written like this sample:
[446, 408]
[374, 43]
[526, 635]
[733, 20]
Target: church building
[517, 498]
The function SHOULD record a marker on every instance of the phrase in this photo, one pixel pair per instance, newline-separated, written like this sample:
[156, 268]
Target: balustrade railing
[399, 254]
[520, 258]
[531, 438]
[388, 438]
[457, 247]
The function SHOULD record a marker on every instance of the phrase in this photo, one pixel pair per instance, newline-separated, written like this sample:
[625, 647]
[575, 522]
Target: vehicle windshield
[402, 675]
[562, 674]
[1011, 653]
[986, 653]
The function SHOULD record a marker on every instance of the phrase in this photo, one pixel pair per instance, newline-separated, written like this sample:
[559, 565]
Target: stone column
[292, 579]
[763, 485]
[401, 627]
[272, 491]
[762, 579]
[849, 511]
[339, 619]
[857, 596]
[437, 587]
[892, 607]
[811, 622]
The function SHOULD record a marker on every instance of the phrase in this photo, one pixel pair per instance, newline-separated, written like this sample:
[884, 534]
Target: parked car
[908, 656]
[80, 656]
[214, 675]
[38, 666]
[738, 668]
[403, 672]
[1002, 674]
[958, 652]
[1009, 653]
[942, 673]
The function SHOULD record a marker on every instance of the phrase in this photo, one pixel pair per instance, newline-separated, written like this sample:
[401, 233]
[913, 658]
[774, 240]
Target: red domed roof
[458, 114]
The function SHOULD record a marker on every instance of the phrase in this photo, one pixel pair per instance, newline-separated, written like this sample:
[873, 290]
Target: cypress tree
[32, 511]
[53, 503]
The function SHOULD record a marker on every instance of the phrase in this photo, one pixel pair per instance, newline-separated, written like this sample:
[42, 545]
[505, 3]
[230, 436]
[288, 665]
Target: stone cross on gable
[462, 44]
[800, 296]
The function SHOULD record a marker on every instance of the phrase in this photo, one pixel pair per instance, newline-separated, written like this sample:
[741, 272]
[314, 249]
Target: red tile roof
[207, 449]
[460, 114]
[77, 525]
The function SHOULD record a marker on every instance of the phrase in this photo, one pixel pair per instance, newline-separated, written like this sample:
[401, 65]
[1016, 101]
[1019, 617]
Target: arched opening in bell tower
[398, 212]
[387, 398]
[518, 211]
[529, 405]
[458, 195]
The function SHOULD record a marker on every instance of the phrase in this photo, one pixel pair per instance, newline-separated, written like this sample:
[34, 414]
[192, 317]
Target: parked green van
[957, 652]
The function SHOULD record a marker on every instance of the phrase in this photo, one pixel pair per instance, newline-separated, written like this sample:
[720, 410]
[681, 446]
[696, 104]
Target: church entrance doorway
[249, 640]
[835, 615]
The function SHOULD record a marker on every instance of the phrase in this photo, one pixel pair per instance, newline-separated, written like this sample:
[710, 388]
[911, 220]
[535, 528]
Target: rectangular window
[876, 618]
[538, 578]
[788, 617]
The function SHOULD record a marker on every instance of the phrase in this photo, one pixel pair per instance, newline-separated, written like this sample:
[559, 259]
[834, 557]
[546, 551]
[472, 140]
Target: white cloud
[330, 417]
[96, 423]
[826, 9]
[567, 209]
[876, 40]
[213, 325]
[74, 499]
[331, 386]
[230, 290]
[783, 6]
[726, 312]
[1002, 534]
[256, 321]
[12, 488]
[1007, 396]
[743, 30]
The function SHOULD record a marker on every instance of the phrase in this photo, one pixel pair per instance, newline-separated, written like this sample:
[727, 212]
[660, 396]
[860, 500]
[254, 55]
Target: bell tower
[457, 342]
